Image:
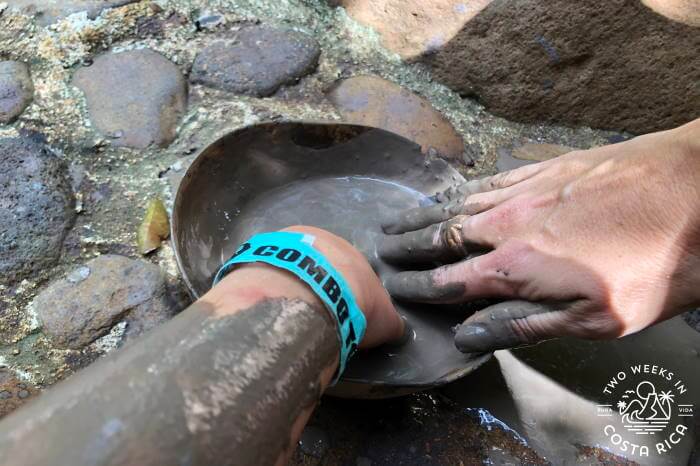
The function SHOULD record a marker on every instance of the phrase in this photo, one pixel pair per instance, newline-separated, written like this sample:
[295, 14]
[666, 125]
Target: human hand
[605, 241]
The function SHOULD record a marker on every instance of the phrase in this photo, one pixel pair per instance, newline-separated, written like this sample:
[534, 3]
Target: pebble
[117, 289]
[16, 90]
[256, 61]
[37, 207]
[208, 20]
[136, 98]
[374, 101]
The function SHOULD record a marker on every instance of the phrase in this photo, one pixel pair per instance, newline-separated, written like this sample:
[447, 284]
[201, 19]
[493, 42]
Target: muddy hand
[610, 235]
[383, 322]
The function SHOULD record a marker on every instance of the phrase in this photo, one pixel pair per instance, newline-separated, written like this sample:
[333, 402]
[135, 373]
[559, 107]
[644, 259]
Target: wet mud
[352, 208]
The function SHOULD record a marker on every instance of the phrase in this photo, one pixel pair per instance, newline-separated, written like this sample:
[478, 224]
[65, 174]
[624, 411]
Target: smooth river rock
[16, 90]
[83, 306]
[136, 98]
[256, 61]
[36, 207]
[374, 101]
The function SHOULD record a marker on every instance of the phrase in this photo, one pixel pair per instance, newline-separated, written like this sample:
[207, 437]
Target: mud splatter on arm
[230, 381]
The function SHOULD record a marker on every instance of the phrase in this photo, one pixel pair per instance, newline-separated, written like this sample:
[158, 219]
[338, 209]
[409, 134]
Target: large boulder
[616, 64]
[85, 305]
[413, 27]
[36, 207]
[137, 97]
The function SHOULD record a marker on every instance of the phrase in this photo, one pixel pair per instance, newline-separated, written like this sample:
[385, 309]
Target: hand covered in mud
[383, 322]
[595, 244]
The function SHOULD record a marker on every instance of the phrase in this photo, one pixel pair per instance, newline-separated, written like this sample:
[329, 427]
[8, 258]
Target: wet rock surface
[16, 90]
[48, 11]
[256, 61]
[373, 101]
[36, 207]
[616, 65]
[82, 307]
[423, 429]
[136, 98]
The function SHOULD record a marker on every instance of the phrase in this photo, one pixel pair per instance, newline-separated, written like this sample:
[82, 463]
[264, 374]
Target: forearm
[232, 380]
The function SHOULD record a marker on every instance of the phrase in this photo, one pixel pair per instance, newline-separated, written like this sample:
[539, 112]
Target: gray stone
[117, 289]
[256, 61]
[136, 98]
[49, 11]
[36, 207]
[16, 90]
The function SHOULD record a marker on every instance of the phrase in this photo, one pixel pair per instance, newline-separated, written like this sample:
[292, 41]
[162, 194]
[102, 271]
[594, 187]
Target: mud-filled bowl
[343, 178]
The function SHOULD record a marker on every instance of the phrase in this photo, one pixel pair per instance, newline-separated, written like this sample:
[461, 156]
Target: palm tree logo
[644, 410]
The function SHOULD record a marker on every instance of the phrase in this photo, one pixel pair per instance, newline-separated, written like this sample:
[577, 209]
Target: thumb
[511, 324]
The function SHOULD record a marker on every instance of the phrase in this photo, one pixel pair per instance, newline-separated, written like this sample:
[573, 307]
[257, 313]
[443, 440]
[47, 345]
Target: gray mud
[353, 208]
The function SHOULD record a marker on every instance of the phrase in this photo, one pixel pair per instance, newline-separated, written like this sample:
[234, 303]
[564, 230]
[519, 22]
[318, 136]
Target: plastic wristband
[294, 252]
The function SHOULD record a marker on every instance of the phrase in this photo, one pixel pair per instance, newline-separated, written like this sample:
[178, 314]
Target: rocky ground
[103, 104]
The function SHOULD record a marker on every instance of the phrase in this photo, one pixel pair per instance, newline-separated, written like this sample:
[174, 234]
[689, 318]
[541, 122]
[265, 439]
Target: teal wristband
[294, 252]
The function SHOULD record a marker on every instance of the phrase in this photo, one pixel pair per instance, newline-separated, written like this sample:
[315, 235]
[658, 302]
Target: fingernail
[474, 338]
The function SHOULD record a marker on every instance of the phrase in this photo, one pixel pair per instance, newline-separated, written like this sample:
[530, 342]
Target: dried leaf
[154, 228]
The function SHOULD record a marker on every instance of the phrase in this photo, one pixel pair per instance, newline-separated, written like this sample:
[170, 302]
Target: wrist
[258, 281]
[250, 284]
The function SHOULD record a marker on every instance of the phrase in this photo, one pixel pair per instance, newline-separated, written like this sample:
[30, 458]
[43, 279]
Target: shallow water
[548, 393]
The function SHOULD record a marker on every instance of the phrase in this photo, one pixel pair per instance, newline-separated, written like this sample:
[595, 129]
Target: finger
[385, 325]
[462, 199]
[512, 324]
[491, 183]
[420, 217]
[481, 202]
[463, 281]
[442, 242]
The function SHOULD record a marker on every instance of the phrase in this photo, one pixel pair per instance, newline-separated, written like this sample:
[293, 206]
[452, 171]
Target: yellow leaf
[154, 228]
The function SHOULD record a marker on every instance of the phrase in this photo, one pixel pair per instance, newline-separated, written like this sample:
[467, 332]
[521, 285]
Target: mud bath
[345, 179]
